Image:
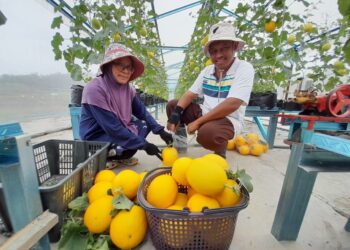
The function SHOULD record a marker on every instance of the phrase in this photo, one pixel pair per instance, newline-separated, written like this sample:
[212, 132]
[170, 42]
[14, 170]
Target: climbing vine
[96, 24]
[281, 45]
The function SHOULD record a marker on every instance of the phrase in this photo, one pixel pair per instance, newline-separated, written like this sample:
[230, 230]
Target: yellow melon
[162, 191]
[206, 177]
[128, 228]
[179, 169]
[198, 201]
[105, 175]
[169, 155]
[218, 159]
[230, 196]
[99, 190]
[129, 181]
[181, 199]
[97, 216]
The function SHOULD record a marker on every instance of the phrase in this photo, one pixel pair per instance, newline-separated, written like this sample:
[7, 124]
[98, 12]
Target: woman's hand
[152, 149]
[166, 137]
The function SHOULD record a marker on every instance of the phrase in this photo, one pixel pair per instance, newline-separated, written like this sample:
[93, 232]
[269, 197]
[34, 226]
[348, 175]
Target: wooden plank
[32, 233]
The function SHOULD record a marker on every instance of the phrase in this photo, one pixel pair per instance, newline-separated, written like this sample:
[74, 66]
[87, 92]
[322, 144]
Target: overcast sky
[25, 38]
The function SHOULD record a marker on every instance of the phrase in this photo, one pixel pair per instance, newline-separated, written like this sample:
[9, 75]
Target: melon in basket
[206, 177]
[162, 191]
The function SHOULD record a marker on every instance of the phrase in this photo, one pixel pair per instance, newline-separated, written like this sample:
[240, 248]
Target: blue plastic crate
[8, 148]
[75, 112]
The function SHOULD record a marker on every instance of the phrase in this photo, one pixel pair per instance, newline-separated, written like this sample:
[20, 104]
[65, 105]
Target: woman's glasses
[124, 68]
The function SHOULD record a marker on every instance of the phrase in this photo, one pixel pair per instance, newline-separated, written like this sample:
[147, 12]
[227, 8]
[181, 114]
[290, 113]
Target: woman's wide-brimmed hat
[117, 51]
[222, 32]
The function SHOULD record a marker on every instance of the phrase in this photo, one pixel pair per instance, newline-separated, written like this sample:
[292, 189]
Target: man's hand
[172, 127]
[193, 127]
[152, 149]
[166, 137]
[175, 118]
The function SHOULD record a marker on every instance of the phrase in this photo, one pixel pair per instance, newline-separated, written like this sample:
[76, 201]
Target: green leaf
[68, 56]
[79, 51]
[280, 77]
[56, 22]
[346, 50]
[79, 20]
[122, 202]
[72, 237]
[279, 4]
[87, 41]
[55, 43]
[276, 40]
[82, 8]
[101, 243]
[231, 174]
[76, 73]
[284, 35]
[245, 179]
[95, 58]
[58, 53]
[268, 52]
[80, 203]
[332, 81]
[306, 3]
[344, 7]
[57, 40]
[59, 7]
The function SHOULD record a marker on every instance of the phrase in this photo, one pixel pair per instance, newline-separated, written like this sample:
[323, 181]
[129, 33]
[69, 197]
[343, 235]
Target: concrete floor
[323, 226]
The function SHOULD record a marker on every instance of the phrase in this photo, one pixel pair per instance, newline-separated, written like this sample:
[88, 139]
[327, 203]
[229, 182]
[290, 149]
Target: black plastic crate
[65, 170]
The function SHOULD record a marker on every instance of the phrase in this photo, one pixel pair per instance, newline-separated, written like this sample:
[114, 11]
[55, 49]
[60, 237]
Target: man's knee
[205, 136]
[210, 137]
[171, 106]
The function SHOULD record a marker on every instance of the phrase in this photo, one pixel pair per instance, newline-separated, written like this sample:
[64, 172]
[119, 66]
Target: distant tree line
[35, 82]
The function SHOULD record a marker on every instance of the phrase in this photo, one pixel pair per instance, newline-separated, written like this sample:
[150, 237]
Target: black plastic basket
[65, 170]
[267, 100]
[172, 229]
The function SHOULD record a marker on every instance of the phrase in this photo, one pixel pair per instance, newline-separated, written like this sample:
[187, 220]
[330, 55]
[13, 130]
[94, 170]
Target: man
[225, 86]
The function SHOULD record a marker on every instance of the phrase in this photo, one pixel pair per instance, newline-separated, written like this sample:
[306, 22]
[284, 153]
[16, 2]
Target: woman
[110, 105]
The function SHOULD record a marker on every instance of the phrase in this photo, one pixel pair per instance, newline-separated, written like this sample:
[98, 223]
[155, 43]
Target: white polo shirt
[237, 83]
